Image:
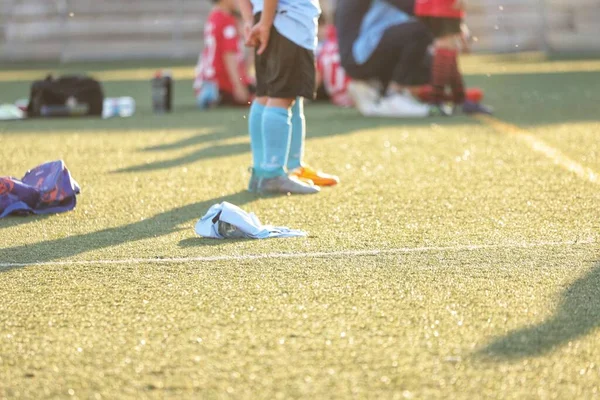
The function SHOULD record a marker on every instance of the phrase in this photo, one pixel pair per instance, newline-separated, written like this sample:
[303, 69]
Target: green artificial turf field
[459, 257]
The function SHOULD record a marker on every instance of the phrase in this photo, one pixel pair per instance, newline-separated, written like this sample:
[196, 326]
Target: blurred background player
[285, 37]
[444, 18]
[380, 41]
[331, 77]
[221, 74]
[333, 81]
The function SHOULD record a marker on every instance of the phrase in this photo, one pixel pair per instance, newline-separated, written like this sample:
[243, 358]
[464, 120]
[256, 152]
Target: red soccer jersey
[329, 66]
[220, 37]
[438, 8]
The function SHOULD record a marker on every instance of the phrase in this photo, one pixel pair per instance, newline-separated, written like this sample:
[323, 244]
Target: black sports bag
[71, 91]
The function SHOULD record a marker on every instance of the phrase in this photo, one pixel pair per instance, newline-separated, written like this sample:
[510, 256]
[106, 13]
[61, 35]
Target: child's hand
[247, 29]
[465, 38]
[241, 94]
[464, 44]
[259, 37]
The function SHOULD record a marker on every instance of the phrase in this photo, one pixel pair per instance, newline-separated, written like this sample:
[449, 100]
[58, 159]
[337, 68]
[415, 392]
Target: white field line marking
[542, 147]
[324, 254]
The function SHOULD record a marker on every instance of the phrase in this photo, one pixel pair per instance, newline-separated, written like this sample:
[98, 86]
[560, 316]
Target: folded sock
[277, 130]
[255, 120]
[457, 84]
[298, 135]
[442, 70]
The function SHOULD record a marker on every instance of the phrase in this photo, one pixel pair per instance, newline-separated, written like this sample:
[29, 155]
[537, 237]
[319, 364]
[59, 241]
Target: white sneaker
[286, 185]
[409, 96]
[399, 106]
[365, 96]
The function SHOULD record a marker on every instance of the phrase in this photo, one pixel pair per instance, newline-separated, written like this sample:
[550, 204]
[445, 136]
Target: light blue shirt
[378, 19]
[297, 20]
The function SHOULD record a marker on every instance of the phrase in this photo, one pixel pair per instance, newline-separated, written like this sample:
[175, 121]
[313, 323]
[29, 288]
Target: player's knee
[262, 100]
[280, 102]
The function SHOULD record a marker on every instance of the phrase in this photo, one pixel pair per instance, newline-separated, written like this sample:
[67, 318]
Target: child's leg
[295, 166]
[255, 120]
[276, 135]
[442, 70]
[456, 81]
[298, 135]
[284, 71]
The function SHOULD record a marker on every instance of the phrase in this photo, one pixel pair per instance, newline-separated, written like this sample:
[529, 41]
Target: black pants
[285, 70]
[441, 27]
[400, 57]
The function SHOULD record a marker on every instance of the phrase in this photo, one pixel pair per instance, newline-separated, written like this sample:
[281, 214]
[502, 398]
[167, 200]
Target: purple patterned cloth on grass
[46, 189]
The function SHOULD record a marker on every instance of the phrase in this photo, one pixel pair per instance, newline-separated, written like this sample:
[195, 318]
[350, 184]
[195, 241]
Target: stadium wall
[71, 30]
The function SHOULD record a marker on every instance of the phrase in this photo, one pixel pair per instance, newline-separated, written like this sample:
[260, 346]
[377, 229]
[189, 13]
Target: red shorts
[438, 8]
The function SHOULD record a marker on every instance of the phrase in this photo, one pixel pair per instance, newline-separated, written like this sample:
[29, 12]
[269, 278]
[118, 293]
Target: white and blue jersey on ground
[297, 20]
[377, 20]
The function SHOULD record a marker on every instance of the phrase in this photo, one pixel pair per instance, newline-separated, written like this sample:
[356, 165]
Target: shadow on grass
[324, 120]
[15, 220]
[204, 136]
[203, 242]
[577, 315]
[542, 99]
[158, 225]
[216, 151]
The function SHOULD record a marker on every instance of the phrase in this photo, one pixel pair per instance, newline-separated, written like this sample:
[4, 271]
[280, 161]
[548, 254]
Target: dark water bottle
[162, 92]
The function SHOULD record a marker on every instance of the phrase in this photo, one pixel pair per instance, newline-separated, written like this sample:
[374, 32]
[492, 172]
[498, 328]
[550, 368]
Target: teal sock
[298, 135]
[277, 129]
[255, 119]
